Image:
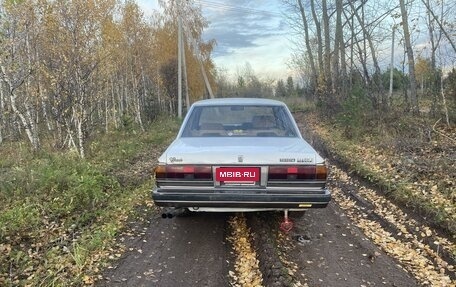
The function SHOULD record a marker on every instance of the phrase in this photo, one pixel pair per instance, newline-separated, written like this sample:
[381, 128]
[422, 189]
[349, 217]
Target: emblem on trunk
[175, 159]
[287, 160]
[240, 158]
[306, 159]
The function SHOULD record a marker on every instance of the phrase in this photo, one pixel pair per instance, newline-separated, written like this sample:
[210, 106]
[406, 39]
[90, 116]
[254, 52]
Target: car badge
[287, 160]
[240, 158]
[175, 159]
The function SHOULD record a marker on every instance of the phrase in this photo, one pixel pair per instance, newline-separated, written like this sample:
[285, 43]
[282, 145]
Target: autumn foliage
[70, 68]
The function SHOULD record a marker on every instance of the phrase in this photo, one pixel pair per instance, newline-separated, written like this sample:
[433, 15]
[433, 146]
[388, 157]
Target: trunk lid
[240, 151]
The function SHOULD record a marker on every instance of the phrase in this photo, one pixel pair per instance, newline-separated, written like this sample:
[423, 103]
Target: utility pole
[181, 55]
[391, 66]
[184, 62]
[206, 81]
[200, 60]
[179, 61]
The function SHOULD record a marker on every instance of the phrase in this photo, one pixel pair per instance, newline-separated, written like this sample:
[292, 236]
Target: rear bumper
[241, 199]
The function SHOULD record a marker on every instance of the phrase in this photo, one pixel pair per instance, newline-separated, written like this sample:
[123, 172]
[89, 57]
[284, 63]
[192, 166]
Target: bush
[354, 111]
[59, 212]
[21, 219]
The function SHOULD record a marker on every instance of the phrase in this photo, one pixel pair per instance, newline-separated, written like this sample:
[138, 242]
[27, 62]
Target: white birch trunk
[23, 120]
[2, 112]
[80, 138]
[445, 107]
[45, 114]
[106, 115]
[33, 126]
[411, 59]
[114, 106]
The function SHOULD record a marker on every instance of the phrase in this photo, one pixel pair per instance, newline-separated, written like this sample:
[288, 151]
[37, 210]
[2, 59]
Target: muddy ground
[193, 251]
[352, 242]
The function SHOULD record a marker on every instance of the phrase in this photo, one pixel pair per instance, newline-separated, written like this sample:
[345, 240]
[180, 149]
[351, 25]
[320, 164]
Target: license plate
[237, 174]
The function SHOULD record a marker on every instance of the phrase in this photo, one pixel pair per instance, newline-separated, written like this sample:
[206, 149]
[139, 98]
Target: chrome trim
[181, 183]
[296, 185]
[241, 209]
[243, 188]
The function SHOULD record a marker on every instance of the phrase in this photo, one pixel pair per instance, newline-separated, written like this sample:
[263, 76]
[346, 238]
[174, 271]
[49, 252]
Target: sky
[246, 31]
[256, 32]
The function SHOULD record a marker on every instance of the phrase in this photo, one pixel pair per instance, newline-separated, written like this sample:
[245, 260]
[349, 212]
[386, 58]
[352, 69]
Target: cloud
[250, 31]
[240, 27]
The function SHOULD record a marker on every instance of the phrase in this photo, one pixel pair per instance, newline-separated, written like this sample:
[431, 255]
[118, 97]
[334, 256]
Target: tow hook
[287, 224]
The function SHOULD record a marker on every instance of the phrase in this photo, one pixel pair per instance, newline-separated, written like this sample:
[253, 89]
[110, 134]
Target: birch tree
[308, 46]
[71, 67]
[327, 46]
[410, 57]
[18, 65]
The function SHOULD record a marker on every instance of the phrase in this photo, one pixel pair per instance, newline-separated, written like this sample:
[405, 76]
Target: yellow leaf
[88, 280]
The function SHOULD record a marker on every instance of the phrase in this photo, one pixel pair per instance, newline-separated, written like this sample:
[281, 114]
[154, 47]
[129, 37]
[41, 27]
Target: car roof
[238, 101]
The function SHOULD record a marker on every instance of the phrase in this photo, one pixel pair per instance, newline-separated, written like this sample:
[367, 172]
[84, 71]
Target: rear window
[239, 121]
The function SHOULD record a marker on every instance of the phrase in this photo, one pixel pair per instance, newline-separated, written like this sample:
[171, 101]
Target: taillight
[201, 172]
[321, 172]
[297, 172]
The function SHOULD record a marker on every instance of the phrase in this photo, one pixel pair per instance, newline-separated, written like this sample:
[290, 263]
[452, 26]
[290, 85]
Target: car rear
[240, 154]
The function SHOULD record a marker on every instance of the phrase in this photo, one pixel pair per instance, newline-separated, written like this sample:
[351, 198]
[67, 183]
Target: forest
[73, 68]
[89, 99]
[70, 68]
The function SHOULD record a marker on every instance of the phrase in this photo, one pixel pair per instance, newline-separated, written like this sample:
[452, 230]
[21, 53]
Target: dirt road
[184, 251]
[360, 239]
[325, 246]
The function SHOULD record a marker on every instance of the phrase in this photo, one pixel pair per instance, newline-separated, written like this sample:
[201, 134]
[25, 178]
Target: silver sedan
[240, 154]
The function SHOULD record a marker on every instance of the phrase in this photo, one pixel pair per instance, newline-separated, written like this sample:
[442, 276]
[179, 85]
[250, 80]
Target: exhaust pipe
[171, 212]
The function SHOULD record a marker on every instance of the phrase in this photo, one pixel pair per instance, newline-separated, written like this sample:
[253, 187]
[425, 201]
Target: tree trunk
[319, 38]
[335, 75]
[445, 108]
[136, 103]
[308, 47]
[138, 114]
[29, 130]
[29, 114]
[327, 55]
[114, 105]
[343, 64]
[411, 59]
[431, 36]
[81, 138]
[405, 88]
[106, 115]
[434, 76]
[23, 121]
[2, 112]
[352, 47]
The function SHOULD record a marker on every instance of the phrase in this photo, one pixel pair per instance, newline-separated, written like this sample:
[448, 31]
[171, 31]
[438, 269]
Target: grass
[60, 214]
[296, 104]
[403, 163]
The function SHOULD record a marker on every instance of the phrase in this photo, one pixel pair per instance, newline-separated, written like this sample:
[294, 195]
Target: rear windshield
[239, 121]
